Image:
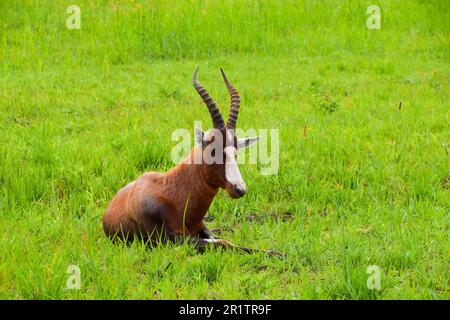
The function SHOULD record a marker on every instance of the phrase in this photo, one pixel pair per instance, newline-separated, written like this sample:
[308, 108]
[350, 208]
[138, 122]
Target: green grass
[83, 112]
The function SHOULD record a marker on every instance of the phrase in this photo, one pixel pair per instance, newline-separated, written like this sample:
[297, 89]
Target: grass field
[363, 119]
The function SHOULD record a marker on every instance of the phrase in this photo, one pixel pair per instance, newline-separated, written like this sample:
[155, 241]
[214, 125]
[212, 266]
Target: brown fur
[172, 205]
[158, 203]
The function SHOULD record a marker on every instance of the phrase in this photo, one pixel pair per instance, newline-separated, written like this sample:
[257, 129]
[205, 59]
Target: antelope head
[219, 146]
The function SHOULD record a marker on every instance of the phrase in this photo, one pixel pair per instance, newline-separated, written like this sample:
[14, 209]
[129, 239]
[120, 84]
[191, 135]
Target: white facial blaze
[232, 173]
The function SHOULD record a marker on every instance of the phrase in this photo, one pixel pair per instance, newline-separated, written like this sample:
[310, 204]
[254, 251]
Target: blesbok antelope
[171, 206]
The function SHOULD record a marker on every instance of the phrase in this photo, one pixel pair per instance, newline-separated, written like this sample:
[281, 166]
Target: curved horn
[213, 110]
[235, 102]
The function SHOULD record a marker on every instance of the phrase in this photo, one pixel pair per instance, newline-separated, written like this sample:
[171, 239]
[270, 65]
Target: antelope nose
[240, 190]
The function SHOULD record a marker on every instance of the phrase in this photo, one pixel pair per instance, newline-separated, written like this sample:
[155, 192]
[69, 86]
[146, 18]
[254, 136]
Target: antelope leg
[227, 244]
[205, 233]
[268, 252]
[201, 244]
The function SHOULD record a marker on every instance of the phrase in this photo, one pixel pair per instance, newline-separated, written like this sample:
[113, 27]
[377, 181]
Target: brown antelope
[172, 205]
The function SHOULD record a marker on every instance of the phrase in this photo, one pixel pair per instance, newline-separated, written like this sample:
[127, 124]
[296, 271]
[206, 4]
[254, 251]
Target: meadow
[363, 119]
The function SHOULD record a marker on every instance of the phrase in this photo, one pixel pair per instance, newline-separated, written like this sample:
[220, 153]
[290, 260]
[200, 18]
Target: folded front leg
[202, 243]
[205, 233]
[228, 245]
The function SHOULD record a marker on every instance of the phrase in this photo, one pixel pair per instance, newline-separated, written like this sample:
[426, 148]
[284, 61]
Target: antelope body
[171, 206]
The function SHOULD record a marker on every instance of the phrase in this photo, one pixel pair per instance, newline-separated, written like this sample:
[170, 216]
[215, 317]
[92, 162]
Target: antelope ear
[243, 143]
[199, 137]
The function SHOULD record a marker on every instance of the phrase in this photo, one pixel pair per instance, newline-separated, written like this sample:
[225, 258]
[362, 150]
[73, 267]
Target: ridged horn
[235, 102]
[212, 108]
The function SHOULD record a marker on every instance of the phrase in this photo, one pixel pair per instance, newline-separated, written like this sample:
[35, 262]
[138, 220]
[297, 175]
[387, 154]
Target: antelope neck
[193, 190]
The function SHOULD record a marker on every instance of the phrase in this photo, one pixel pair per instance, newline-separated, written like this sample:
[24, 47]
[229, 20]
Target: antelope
[172, 205]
